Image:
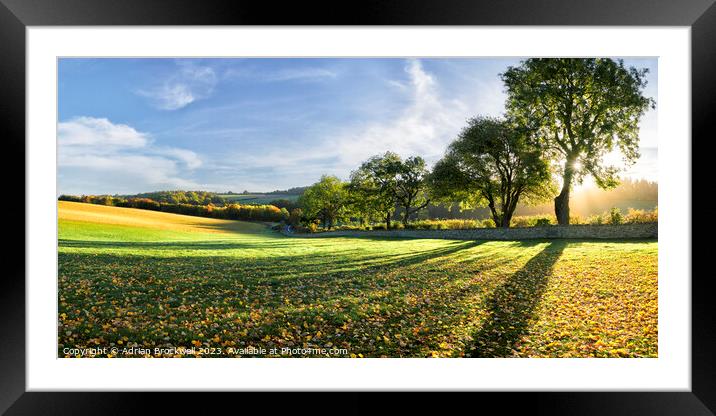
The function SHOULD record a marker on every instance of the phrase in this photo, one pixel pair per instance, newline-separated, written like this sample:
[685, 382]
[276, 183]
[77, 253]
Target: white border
[671, 371]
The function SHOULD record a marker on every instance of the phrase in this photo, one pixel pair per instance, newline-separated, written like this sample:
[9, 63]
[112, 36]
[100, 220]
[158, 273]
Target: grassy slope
[127, 277]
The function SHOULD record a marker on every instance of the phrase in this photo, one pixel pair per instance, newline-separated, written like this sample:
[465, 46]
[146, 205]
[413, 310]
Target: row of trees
[269, 213]
[563, 116]
[181, 197]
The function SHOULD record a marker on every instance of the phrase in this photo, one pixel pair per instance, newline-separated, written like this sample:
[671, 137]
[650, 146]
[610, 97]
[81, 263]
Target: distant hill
[299, 190]
[180, 197]
[257, 198]
[280, 198]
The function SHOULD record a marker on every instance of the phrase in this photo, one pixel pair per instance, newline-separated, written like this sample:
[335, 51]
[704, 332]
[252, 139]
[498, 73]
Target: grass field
[148, 279]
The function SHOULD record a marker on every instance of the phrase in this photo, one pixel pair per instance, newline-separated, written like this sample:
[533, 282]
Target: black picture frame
[16, 15]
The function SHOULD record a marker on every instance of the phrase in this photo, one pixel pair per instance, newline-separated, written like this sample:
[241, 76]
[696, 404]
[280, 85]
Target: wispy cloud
[424, 127]
[105, 157]
[282, 75]
[190, 83]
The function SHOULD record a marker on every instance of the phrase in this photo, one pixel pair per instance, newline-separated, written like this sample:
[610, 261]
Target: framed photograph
[487, 198]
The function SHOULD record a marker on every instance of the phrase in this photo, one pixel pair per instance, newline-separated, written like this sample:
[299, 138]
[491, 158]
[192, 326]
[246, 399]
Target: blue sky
[137, 125]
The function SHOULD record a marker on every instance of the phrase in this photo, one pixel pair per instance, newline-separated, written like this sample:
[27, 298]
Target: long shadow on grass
[513, 303]
[178, 245]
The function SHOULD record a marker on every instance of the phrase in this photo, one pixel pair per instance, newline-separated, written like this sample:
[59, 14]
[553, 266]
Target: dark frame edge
[15, 400]
[703, 102]
[12, 130]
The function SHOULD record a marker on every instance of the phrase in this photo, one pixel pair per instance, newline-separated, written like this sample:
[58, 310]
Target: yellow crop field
[100, 214]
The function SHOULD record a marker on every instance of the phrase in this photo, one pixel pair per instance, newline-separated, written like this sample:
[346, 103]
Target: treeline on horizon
[298, 190]
[636, 194]
[269, 213]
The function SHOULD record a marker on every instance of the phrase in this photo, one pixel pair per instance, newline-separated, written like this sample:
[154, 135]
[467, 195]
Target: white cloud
[300, 74]
[189, 84]
[89, 131]
[424, 127]
[288, 74]
[99, 157]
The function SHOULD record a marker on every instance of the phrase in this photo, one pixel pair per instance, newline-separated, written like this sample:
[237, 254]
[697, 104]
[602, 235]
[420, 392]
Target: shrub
[615, 216]
[454, 224]
[348, 227]
[541, 222]
[576, 219]
[488, 223]
[640, 216]
[595, 220]
[532, 220]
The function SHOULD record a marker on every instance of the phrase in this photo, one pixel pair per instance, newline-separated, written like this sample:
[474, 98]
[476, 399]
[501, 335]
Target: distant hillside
[180, 197]
[298, 191]
[258, 198]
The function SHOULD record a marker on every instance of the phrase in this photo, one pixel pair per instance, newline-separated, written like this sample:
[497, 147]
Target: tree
[490, 163]
[295, 217]
[373, 186]
[325, 200]
[411, 186]
[577, 110]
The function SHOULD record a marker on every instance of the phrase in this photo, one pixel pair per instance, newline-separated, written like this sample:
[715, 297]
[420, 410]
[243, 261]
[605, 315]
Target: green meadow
[144, 279]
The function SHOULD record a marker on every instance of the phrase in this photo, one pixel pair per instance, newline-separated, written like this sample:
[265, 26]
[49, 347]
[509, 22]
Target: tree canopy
[385, 182]
[411, 186]
[373, 186]
[326, 200]
[491, 164]
[576, 110]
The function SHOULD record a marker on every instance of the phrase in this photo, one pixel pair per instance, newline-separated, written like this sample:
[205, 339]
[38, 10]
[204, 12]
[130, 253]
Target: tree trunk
[506, 218]
[561, 202]
[509, 211]
[387, 220]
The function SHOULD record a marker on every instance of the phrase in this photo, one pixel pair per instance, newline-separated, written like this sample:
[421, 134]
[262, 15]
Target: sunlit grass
[241, 285]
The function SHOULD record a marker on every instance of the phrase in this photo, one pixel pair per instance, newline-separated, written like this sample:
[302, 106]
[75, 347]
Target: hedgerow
[231, 211]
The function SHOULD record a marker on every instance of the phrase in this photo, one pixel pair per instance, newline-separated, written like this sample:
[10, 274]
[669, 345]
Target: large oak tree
[490, 163]
[577, 110]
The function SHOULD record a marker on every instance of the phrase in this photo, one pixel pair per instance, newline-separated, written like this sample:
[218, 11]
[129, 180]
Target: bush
[443, 224]
[295, 216]
[633, 216]
[640, 216]
[488, 223]
[532, 220]
[541, 222]
[615, 216]
[576, 219]
[595, 220]
[349, 227]
[397, 226]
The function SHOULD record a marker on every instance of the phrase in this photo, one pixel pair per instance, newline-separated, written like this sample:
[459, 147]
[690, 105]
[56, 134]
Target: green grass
[242, 285]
